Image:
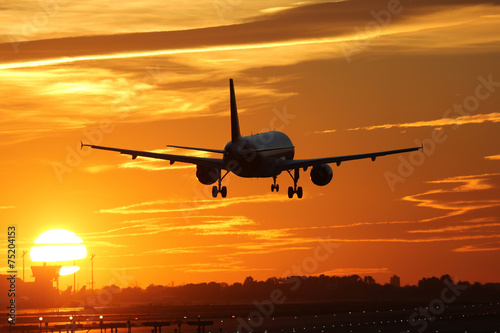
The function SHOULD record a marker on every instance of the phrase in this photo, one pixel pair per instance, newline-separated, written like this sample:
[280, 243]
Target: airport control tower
[45, 276]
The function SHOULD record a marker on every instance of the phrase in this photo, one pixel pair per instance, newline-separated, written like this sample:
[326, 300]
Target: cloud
[436, 123]
[149, 164]
[471, 203]
[98, 244]
[39, 100]
[299, 25]
[355, 271]
[174, 250]
[493, 246]
[208, 225]
[469, 187]
[25, 20]
[131, 76]
[161, 206]
[459, 228]
[492, 157]
[217, 266]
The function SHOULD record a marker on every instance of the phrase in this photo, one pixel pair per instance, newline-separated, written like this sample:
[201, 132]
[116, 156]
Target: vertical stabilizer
[235, 125]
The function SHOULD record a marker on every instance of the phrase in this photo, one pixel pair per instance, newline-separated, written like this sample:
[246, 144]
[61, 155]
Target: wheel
[290, 192]
[215, 191]
[272, 187]
[299, 192]
[277, 187]
[223, 191]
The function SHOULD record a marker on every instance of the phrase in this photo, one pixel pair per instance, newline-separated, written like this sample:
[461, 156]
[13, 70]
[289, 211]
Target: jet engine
[321, 174]
[207, 175]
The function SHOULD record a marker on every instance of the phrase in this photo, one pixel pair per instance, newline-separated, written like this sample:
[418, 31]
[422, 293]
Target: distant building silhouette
[395, 281]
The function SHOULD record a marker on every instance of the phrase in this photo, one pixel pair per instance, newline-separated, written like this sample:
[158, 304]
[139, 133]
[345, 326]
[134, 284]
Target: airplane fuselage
[258, 155]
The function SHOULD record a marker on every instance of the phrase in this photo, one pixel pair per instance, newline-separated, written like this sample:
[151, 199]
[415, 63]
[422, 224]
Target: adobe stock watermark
[436, 307]
[95, 136]
[381, 19]
[309, 265]
[222, 7]
[278, 122]
[407, 166]
[32, 25]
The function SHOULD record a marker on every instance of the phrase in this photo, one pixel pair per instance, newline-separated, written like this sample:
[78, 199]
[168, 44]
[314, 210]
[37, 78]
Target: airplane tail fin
[235, 125]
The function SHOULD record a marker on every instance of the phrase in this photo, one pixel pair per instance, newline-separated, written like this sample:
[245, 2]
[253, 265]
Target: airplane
[261, 155]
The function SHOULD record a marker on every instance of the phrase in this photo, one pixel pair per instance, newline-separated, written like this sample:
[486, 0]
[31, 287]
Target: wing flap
[199, 149]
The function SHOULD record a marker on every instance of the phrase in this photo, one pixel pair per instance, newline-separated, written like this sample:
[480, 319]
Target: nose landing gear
[275, 186]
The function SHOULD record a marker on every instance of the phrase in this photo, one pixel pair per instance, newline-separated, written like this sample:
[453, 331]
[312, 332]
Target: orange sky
[351, 77]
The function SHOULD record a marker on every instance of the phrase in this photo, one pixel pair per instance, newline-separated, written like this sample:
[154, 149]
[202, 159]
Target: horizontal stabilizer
[200, 149]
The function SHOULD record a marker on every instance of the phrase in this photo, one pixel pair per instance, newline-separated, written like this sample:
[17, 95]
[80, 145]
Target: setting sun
[59, 245]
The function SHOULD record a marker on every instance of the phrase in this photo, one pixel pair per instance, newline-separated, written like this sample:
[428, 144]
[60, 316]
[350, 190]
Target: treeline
[301, 289]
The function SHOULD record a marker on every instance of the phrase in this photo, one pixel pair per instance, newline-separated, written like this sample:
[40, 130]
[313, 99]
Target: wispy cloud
[175, 250]
[149, 164]
[355, 271]
[68, 60]
[437, 123]
[467, 184]
[207, 225]
[218, 266]
[493, 157]
[459, 228]
[169, 206]
[98, 244]
[493, 246]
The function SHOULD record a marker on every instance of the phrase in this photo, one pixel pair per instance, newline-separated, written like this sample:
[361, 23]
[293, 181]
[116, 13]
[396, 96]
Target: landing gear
[275, 186]
[295, 189]
[220, 189]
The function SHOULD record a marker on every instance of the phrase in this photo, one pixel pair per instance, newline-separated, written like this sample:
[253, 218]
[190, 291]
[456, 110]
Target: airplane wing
[217, 163]
[296, 164]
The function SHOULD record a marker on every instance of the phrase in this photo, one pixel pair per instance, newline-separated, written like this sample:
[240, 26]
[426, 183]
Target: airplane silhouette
[254, 156]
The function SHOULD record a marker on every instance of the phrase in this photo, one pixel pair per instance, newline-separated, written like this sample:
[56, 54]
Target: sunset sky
[338, 78]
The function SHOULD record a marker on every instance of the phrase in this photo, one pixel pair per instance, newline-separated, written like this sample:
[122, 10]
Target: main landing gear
[218, 189]
[295, 189]
[275, 186]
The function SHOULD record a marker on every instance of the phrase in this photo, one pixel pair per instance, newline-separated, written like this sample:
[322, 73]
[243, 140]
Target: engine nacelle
[206, 175]
[321, 174]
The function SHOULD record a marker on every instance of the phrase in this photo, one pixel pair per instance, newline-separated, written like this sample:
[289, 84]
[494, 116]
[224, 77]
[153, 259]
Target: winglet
[83, 145]
[235, 125]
